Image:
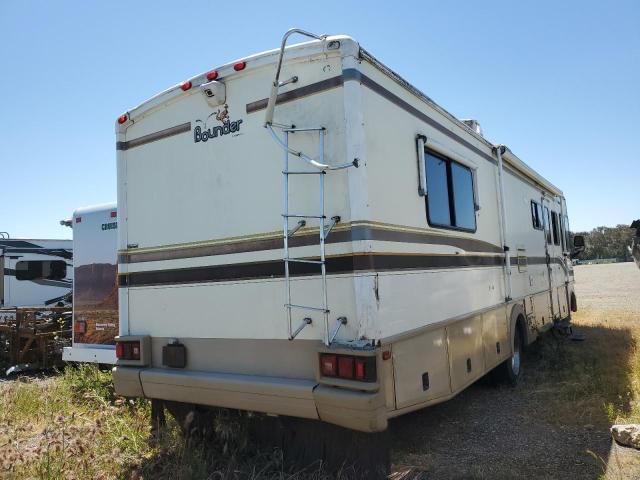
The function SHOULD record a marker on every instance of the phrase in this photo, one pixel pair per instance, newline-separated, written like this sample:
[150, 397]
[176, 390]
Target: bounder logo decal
[204, 132]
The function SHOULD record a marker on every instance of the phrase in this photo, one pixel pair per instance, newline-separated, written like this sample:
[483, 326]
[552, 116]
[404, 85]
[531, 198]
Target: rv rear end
[201, 272]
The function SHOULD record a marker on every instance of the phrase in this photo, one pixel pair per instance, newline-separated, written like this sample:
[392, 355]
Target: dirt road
[532, 431]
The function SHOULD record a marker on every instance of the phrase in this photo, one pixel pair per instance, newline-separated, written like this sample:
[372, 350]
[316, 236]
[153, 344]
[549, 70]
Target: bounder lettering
[200, 135]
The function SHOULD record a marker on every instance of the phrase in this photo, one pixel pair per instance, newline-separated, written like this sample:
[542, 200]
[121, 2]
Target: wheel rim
[515, 358]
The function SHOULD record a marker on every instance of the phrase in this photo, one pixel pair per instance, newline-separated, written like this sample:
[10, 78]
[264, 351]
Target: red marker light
[386, 355]
[114, 214]
[360, 369]
[78, 219]
[212, 75]
[186, 86]
[123, 118]
[328, 365]
[239, 66]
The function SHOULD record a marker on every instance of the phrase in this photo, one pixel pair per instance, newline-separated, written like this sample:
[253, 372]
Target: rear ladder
[320, 168]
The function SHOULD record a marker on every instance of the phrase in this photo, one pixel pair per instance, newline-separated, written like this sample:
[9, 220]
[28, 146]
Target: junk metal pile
[33, 338]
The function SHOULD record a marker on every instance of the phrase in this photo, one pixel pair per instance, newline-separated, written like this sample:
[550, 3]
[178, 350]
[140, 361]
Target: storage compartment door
[421, 369]
[466, 352]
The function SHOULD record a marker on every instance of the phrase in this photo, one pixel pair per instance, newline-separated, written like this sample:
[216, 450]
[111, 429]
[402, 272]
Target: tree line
[607, 242]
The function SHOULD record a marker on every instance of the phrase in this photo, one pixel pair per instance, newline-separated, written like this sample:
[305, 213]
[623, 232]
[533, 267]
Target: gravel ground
[500, 432]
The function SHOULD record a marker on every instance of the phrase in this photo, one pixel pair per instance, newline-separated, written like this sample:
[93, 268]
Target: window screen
[41, 270]
[450, 198]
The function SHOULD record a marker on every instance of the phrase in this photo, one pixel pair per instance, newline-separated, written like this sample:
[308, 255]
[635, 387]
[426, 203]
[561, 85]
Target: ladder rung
[302, 260]
[306, 307]
[297, 172]
[310, 129]
[298, 215]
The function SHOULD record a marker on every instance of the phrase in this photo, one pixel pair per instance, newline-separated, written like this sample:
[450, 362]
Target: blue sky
[558, 82]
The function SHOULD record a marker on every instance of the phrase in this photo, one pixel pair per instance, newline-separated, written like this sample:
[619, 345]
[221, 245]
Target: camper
[34, 273]
[303, 233]
[95, 290]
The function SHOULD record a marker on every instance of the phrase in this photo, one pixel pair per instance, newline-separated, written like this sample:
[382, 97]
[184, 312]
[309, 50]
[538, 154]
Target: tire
[510, 371]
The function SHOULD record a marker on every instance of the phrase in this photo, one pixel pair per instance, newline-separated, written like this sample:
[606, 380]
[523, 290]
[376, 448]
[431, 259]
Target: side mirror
[578, 246]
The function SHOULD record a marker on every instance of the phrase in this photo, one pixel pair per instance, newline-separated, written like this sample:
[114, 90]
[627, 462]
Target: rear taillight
[80, 326]
[348, 367]
[128, 350]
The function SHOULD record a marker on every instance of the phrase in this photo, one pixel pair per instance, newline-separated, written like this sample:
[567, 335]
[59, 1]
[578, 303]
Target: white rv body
[201, 243]
[95, 299]
[35, 272]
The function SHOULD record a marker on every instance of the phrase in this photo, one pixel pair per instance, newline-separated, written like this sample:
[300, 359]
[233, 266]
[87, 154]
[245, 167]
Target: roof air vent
[473, 125]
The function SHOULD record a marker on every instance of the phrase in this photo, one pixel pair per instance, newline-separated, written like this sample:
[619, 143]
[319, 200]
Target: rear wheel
[511, 370]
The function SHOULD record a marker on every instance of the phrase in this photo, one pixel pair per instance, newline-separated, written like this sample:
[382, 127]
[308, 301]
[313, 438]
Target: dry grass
[595, 382]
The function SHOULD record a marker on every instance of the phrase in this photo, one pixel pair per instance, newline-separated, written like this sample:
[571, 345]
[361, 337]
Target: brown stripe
[152, 137]
[291, 95]
[354, 234]
[275, 268]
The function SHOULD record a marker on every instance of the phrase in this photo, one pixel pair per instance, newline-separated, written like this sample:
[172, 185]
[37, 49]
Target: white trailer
[365, 255]
[95, 290]
[34, 272]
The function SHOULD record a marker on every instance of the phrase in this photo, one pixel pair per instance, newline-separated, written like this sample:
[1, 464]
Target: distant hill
[95, 285]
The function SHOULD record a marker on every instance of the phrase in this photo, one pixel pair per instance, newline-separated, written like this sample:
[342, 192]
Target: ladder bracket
[329, 227]
[339, 323]
[293, 79]
[305, 321]
[300, 224]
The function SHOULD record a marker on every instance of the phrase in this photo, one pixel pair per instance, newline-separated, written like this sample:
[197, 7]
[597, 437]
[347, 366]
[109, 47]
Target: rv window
[547, 224]
[450, 197]
[554, 227]
[536, 215]
[465, 211]
[41, 270]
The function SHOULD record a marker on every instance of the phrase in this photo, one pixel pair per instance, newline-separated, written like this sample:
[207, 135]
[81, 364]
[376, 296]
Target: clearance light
[239, 66]
[212, 75]
[123, 118]
[348, 367]
[186, 86]
[78, 219]
[114, 214]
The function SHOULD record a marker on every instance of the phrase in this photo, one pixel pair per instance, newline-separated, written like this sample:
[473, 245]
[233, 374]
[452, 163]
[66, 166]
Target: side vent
[468, 365]
[498, 348]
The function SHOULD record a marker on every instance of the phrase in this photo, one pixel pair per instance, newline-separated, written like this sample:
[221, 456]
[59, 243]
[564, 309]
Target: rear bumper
[362, 411]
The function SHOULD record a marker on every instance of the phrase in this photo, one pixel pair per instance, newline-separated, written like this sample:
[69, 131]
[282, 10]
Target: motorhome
[304, 233]
[34, 273]
[95, 290]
